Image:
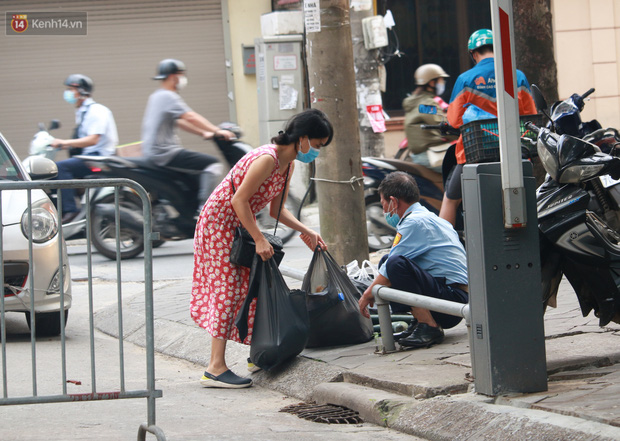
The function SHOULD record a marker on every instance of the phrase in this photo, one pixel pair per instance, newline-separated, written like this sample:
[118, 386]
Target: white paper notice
[288, 97]
[388, 19]
[361, 5]
[312, 15]
[284, 62]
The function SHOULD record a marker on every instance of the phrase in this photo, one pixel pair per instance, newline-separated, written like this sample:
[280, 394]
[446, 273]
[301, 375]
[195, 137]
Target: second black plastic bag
[281, 321]
[332, 300]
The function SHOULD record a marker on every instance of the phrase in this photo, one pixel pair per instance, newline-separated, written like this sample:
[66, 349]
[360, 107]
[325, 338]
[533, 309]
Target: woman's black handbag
[243, 246]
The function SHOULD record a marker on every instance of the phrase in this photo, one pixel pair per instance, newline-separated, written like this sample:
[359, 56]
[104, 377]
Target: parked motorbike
[579, 208]
[173, 201]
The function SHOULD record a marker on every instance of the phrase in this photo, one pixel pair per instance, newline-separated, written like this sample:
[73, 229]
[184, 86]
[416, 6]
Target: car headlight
[44, 221]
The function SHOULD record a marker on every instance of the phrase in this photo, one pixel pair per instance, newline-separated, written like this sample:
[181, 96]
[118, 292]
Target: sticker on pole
[312, 15]
[375, 116]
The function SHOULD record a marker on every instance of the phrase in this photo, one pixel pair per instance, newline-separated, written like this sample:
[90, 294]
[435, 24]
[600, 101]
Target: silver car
[42, 277]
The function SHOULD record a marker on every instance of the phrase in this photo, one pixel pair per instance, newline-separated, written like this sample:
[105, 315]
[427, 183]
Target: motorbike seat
[117, 159]
[166, 172]
[416, 169]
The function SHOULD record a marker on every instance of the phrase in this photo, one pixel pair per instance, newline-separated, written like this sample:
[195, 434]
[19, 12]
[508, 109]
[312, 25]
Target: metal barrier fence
[384, 295]
[23, 287]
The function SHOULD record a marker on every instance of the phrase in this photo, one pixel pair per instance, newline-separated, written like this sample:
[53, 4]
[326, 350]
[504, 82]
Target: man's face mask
[391, 218]
[440, 88]
[69, 96]
[182, 82]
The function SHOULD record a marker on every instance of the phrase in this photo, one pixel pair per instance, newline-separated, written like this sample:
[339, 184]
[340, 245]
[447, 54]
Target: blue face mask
[307, 157]
[69, 97]
[392, 219]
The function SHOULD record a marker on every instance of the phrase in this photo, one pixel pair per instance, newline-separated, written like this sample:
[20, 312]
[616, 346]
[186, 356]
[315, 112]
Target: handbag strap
[288, 169]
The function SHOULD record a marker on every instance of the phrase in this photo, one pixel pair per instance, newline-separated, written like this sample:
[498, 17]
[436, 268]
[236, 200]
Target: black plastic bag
[281, 325]
[332, 300]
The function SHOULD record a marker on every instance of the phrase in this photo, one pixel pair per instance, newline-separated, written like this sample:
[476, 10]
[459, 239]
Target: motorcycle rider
[95, 134]
[421, 107]
[474, 92]
[165, 111]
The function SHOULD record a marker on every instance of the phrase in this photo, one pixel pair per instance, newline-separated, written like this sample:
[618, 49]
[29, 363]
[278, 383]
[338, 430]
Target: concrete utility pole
[367, 82]
[331, 77]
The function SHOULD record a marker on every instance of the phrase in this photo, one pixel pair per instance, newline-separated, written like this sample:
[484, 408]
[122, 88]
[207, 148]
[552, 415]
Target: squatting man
[426, 258]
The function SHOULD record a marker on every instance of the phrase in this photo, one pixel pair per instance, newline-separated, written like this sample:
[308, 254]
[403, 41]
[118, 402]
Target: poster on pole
[312, 15]
[376, 118]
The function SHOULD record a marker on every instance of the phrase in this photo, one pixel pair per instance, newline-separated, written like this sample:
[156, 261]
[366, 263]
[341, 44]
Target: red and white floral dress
[220, 287]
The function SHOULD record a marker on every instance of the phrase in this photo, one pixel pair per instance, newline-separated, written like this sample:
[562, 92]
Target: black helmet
[167, 67]
[83, 84]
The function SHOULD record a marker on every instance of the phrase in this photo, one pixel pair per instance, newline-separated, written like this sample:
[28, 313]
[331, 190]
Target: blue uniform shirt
[430, 242]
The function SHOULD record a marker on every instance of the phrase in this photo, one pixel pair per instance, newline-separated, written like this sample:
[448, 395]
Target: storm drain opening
[324, 413]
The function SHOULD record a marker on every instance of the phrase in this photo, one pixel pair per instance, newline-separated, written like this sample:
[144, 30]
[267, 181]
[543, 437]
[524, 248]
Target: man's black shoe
[423, 336]
[407, 332]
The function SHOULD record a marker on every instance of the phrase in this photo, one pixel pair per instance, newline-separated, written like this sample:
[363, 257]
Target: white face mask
[182, 82]
[440, 88]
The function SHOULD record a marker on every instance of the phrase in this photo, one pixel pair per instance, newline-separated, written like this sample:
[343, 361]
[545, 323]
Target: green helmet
[482, 37]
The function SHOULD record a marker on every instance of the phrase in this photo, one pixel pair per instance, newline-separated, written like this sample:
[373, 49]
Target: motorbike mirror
[54, 124]
[539, 99]
[40, 168]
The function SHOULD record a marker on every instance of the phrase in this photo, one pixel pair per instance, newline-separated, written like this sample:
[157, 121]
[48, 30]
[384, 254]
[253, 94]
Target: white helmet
[428, 72]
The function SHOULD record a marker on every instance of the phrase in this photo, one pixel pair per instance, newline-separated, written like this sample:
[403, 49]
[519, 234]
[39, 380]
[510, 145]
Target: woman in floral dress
[220, 287]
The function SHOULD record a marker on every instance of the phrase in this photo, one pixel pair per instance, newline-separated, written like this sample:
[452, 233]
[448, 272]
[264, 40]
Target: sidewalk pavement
[428, 393]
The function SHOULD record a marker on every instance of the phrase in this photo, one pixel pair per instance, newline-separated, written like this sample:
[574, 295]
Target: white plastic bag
[365, 274]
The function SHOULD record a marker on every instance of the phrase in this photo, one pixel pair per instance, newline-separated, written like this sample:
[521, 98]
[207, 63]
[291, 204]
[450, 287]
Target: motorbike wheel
[103, 229]
[380, 234]
[266, 223]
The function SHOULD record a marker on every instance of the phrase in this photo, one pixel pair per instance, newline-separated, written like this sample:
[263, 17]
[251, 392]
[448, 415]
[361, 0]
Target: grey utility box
[280, 82]
[507, 338]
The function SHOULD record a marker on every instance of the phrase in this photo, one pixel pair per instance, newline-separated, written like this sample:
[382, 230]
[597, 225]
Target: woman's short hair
[400, 185]
[312, 123]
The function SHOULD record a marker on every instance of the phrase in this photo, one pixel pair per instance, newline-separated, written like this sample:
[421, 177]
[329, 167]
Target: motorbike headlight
[548, 160]
[44, 221]
[578, 173]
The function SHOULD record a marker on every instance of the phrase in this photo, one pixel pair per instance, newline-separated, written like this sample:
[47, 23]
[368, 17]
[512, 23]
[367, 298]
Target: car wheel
[380, 234]
[103, 229]
[47, 324]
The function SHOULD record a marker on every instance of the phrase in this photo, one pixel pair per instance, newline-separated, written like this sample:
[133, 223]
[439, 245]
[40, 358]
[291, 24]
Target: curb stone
[465, 417]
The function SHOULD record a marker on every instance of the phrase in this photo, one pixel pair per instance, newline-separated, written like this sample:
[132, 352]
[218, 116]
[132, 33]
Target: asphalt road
[172, 260]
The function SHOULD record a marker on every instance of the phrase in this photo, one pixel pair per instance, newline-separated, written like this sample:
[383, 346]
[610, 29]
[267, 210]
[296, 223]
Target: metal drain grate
[324, 413]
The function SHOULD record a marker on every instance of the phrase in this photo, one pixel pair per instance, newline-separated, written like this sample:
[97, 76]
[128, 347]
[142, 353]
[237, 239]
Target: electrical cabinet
[375, 32]
[507, 336]
[280, 82]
